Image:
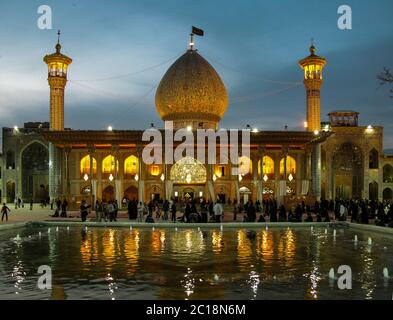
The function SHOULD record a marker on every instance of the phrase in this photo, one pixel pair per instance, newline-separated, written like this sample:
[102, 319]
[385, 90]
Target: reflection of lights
[254, 282]
[265, 178]
[214, 178]
[217, 241]
[111, 285]
[188, 282]
[316, 132]
[162, 177]
[136, 177]
[244, 250]
[290, 178]
[111, 177]
[188, 240]
[85, 177]
[19, 274]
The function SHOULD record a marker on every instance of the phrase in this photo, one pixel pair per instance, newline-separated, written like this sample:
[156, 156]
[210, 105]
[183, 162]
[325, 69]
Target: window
[108, 166]
[374, 159]
[85, 167]
[291, 167]
[131, 166]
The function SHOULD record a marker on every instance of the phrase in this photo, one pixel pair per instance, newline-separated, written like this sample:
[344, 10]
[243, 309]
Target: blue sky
[121, 49]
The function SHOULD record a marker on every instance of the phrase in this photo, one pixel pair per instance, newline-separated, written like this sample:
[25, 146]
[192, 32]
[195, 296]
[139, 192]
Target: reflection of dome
[192, 93]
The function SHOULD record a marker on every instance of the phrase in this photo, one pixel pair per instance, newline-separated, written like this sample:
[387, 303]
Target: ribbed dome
[192, 93]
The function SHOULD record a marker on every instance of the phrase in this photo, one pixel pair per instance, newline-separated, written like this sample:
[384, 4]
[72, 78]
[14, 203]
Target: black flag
[198, 32]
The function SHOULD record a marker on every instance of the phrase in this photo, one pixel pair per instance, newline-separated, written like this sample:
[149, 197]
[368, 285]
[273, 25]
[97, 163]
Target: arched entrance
[348, 171]
[35, 172]
[10, 191]
[373, 191]
[188, 171]
[245, 194]
[131, 193]
[387, 194]
[108, 194]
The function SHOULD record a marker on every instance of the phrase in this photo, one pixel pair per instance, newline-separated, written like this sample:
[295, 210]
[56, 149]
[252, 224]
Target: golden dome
[192, 93]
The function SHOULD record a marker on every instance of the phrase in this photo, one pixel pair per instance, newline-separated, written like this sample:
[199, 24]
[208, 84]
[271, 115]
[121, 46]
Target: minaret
[57, 79]
[313, 80]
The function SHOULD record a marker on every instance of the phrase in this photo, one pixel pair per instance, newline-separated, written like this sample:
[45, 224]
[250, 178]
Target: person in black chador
[84, 210]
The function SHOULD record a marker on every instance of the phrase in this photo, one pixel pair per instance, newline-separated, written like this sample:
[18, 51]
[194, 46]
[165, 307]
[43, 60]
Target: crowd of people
[202, 211]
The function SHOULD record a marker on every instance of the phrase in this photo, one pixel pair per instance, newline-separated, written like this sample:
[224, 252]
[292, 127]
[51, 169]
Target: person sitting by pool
[149, 218]
[193, 217]
[309, 217]
[261, 218]
[84, 209]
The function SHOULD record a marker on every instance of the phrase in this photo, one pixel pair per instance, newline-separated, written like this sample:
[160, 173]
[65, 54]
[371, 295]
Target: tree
[386, 77]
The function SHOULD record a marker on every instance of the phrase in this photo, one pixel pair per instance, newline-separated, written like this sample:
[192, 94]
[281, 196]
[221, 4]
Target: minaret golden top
[313, 65]
[57, 62]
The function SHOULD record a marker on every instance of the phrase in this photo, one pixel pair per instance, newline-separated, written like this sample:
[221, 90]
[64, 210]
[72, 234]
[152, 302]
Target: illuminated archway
[291, 167]
[108, 166]
[188, 171]
[268, 167]
[131, 165]
[85, 167]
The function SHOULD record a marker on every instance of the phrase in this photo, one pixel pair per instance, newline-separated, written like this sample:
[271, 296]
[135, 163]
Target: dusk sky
[121, 50]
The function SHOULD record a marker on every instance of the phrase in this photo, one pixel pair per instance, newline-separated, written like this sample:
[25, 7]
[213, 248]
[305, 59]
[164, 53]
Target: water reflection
[287, 248]
[192, 264]
[188, 283]
[19, 275]
[244, 250]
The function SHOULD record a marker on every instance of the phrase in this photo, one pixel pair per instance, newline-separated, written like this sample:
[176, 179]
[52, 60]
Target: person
[157, 211]
[217, 211]
[115, 209]
[64, 208]
[141, 209]
[235, 212]
[99, 210]
[173, 212]
[84, 209]
[149, 218]
[187, 213]
[261, 218]
[204, 212]
[310, 218]
[130, 209]
[4, 212]
[165, 208]
[111, 211]
[31, 204]
[251, 212]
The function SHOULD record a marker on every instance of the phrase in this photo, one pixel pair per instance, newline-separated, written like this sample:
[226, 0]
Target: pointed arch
[188, 171]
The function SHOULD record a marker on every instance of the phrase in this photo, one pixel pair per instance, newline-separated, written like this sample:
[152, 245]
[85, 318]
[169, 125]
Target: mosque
[338, 158]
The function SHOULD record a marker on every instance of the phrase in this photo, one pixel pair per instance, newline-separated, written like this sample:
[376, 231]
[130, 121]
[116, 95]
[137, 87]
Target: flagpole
[191, 41]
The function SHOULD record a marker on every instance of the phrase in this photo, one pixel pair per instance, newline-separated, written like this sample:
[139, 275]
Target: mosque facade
[339, 158]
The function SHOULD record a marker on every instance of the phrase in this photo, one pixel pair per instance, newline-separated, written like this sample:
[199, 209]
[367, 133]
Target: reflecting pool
[118, 263]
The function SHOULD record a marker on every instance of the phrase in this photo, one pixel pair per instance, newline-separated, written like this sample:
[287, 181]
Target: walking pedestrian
[5, 210]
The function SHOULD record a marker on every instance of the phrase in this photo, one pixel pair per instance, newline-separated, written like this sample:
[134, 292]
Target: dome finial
[312, 48]
[58, 45]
